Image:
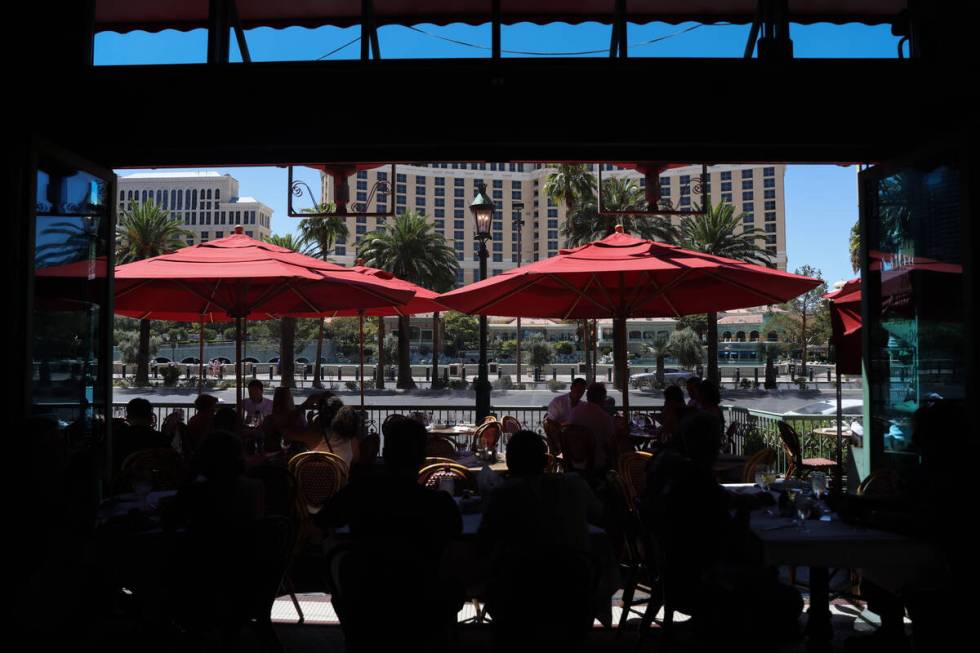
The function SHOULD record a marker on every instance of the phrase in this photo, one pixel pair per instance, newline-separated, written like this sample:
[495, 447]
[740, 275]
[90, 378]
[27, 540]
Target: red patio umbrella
[624, 276]
[238, 277]
[424, 301]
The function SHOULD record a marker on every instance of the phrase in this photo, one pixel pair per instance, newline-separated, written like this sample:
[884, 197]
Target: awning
[153, 16]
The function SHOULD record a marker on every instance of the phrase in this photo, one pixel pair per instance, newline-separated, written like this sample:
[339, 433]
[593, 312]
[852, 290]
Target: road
[775, 401]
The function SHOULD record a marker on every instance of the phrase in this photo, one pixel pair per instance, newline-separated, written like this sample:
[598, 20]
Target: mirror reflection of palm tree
[143, 231]
[320, 235]
[722, 232]
[412, 251]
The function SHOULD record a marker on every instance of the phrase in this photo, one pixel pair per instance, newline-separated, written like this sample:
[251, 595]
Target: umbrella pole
[839, 470]
[200, 360]
[360, 319]
[238, 365]
[620, 329]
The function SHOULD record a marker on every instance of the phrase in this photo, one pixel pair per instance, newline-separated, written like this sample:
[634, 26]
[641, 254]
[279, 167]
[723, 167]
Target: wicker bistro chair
[319, 476]
[487, 435]
[438, 446]
[552, 432]
[798, 465]
[162, 465]
[765, 456]
[430, 475]
[632, 471]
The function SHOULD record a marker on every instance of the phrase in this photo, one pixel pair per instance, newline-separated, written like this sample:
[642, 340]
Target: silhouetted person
[226, 419]
[710, 403]
[399, 531]
[592, 415]
[199, 425]
[925, 509]
[673, 413]
[707, 571]
[343, 436]
[560, 408]
[137, 434]
[536, 532]
[255, 406]
[693, 385]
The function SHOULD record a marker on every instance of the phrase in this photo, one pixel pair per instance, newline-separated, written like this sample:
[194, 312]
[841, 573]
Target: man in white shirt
[256, 407]
[592, 415]
[560, 408]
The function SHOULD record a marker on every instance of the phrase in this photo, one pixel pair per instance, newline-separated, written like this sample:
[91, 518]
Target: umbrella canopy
[238, 276]
[845, 320]
[624, 276]
[424, 301]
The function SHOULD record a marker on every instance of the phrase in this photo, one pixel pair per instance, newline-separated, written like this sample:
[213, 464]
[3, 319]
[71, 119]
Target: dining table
[827, 542]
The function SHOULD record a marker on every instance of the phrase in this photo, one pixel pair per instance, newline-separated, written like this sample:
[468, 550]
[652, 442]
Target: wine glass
[143, 485]
[760, 477]
[804, 507]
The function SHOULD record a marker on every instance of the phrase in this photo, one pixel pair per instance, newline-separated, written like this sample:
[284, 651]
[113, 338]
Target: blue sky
[821, 201]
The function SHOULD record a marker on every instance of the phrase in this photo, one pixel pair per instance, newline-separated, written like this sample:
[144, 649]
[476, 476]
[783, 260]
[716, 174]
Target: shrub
[746, 384]
[504, 383]
[352, 385]
[439, 383]
[459, 384]
[556, 386]
[170, 374]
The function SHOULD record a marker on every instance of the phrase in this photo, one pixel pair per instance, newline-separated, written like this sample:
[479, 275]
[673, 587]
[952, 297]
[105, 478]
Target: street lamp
[518, 207]
[482, 208]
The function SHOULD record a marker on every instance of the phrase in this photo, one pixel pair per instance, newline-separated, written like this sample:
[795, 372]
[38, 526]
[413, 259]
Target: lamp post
[519, 208]
[482, 208]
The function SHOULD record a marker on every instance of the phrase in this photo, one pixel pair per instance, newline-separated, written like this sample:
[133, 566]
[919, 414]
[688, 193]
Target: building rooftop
[175, 175]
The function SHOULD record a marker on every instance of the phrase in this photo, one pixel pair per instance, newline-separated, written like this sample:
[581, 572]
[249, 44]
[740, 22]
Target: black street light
[483, 209]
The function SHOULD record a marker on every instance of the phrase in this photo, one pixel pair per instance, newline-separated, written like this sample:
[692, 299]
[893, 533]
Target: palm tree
[584, 224]
[143, 231]
[410, 250]
[571, 184]
[287, 325]
[320, 235]
[722, 232]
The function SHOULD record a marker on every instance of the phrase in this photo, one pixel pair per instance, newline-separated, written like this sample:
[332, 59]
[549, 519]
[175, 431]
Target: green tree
[698, 323]
[143, 231]
[320, 235]
[722, 232]
[854, 246]
[410, 249]
[462, 332]
[685, 346]
[564, 348]
[806, 319]
[287, 325]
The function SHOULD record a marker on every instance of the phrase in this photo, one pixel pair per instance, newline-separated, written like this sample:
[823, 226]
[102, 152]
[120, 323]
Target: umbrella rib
[303, 297]
[579, 298]
[214, 291]
[135, 286]
[193, 291]
[662, 290]
[569, 286]
[507, 295]
[772, 299]
[605, 292]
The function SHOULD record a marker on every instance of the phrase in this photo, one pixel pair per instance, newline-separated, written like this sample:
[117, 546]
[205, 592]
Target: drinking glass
[818, 481]
[760, 477]
[804, 507]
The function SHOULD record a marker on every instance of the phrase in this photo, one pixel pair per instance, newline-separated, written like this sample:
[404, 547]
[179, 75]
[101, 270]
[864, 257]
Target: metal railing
[758, 428]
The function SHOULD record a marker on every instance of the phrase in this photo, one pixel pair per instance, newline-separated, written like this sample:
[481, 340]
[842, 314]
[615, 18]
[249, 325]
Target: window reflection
[70, 295]
[917, 340]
